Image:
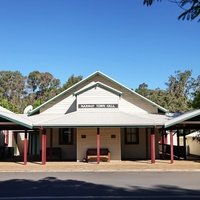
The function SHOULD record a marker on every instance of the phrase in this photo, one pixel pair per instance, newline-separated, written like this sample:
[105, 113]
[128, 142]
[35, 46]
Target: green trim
[182, 118]
[60, 94]
[132, 91]
[101, 85]
[98, 73]
[16, 121]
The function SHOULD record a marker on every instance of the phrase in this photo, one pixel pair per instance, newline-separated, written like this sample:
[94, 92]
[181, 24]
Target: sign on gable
[97, 105]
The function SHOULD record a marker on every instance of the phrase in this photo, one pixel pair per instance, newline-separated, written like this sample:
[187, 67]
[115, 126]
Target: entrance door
[67, 142]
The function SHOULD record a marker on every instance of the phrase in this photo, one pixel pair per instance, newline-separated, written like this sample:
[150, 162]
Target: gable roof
[98, 84]
[182, 118]
[98, 73]
[15, 119]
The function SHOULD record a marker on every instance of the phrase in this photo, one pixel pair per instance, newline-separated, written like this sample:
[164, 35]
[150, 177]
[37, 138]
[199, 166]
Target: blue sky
[122, 38]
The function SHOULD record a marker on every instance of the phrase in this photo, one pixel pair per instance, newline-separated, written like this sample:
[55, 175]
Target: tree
[143, 90]
[12, 89]
[196, 101]
[177, 96]
[41, 87]
[18, 91]
[156, 95]
[191, 8]
[180, 84]
[179, 89]
[196, 93]
[8, 105]
[72, 80]
[39, 81]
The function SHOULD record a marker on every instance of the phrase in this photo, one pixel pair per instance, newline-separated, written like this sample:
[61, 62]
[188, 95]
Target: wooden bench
[91, 154]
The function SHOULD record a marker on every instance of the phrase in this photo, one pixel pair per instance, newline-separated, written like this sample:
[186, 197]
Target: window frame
[62, 140]
[134, 133]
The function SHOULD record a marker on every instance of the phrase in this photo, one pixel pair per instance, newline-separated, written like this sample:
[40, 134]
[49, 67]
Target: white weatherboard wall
[64, 106]
[129, 96]
[128, 102]
[101, 96]
[128, 107]
[97, 95]
[113, 144]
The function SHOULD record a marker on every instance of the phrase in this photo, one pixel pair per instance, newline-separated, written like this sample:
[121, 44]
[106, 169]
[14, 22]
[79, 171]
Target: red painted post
[171, 147]
[25, 147]
[43, 146]
[184, 143]
[153, 152]
[163, 145]
[98, 145]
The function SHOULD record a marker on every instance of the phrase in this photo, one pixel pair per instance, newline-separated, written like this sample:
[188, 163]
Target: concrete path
[160, 165]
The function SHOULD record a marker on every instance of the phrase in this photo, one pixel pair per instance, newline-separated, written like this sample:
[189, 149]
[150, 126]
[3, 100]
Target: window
[131, 135]
[66, 136]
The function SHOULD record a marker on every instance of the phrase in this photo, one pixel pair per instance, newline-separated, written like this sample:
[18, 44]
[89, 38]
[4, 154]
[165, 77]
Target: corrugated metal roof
[15, 118]
[182, 118]
[98, 119]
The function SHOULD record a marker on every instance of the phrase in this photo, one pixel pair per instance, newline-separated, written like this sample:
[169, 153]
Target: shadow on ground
[53, 187]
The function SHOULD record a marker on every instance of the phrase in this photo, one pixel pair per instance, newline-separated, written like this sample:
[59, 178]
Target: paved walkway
[160, 165]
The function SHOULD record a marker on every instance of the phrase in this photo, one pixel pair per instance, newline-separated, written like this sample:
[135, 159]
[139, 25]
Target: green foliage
[196, 101]
[179, 87]
[41, 86]
[196, 93]
[12, 85]
[149, 2]
[178, 95]
[194, 9]
[72, 80]
[18, 91]
[6, 104]
[191, 8]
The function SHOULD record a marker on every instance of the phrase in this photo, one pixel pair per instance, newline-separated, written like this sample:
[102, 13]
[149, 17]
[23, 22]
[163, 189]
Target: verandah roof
[190, 120]
[12, 121]
[98, 119]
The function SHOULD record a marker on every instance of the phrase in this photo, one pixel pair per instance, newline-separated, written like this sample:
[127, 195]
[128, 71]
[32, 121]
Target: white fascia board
[90, 76]
[160, 107]
[60, 94]
[182, 118]
[16, 119]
